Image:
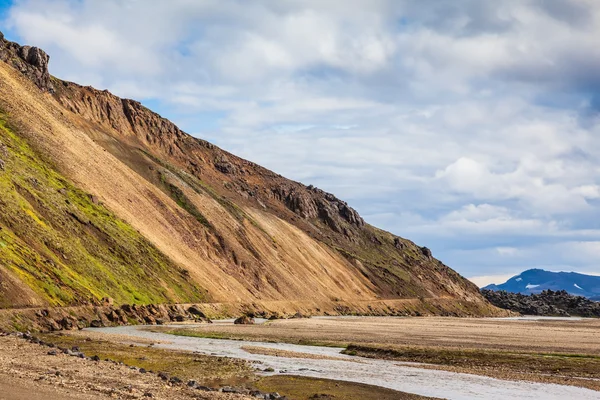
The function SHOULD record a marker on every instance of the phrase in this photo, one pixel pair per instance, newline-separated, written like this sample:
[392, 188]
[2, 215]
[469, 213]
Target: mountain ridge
[237, 231]
[537, 280]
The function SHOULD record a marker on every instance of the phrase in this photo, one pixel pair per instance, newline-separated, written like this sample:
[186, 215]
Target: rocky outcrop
[30, 61]
[56, 319]
[311, 203]
[546, 303]
[244, 320]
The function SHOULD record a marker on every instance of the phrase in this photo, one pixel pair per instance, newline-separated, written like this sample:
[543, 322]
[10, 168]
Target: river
[406, 377]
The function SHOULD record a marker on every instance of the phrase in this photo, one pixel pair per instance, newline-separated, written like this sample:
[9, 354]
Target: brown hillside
[236, 232]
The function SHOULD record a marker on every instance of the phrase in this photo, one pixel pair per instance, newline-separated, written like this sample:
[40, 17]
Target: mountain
[102, 197]
[537, 280]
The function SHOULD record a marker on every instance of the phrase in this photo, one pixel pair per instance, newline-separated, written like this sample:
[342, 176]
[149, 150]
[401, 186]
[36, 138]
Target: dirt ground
[28, 372]
[550, 351]
[573, 336]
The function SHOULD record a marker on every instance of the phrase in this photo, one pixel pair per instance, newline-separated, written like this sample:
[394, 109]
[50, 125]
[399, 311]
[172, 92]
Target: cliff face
[237, 231]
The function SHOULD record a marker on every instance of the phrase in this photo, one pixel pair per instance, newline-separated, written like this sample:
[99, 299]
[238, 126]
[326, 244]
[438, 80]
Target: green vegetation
[301, 388]
[566, 364]
[206, 370]
[67, 247]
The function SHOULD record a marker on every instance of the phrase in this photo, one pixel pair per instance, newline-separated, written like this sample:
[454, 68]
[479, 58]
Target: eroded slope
[241, 232]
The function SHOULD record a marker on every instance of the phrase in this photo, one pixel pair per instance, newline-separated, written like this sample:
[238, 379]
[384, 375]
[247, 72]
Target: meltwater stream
[384, 373]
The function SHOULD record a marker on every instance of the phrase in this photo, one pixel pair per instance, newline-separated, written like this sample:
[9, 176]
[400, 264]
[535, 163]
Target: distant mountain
[536, 280]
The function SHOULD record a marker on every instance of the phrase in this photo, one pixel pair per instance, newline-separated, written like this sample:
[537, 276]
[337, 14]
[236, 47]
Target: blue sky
[468, 126]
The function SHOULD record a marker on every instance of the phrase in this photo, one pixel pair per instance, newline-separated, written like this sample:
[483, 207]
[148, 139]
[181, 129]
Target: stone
[244, 320]
[426, 252]
[223, 165]
[96, 324]
[164, 376]
[175, 380]
[2, 165]
[52, 353]
[398, 244]
[196, 311]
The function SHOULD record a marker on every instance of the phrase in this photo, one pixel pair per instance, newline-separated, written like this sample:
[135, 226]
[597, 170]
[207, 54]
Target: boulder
[196, 311]
[96, 324]
[244, 320]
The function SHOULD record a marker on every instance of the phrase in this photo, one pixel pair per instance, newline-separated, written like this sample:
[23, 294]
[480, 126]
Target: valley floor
[547, 350]
[30, 371]
[515, 351]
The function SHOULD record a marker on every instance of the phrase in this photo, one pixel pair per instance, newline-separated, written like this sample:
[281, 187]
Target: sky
[470, 127]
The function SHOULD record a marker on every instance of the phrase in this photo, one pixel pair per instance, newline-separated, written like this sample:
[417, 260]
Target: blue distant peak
[538, 280]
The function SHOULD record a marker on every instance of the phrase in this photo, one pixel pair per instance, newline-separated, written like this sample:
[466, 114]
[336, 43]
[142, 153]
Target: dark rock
[398, 244]
[192, 384]
[96, 324]
[52, 353]
[223, 165]
[175, 380]
[2, 165]
[196, 311]
[546, 303]
[147, 394]
[95, 358]
[205, 388]
[244, 320]
[164, 376]
[142, 371]
[426, 252]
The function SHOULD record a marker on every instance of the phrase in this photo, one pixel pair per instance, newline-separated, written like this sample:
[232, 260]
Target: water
[390, 374]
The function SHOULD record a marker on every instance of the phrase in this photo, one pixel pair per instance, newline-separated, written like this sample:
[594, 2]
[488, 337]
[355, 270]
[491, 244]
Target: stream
[406, 377]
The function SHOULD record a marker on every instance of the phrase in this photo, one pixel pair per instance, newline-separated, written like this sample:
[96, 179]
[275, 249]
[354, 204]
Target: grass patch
[67, 247]
[574, 365]
[302, 388]
[207, 370]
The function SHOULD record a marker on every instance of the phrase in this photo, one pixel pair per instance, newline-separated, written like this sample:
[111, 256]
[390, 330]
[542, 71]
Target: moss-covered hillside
[67, 247]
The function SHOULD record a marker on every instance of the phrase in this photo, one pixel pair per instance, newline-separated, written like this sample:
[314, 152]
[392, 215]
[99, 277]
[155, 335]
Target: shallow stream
[406, 377]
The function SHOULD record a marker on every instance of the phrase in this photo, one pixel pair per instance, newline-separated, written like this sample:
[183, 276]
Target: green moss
[204, 369]
[68, 248]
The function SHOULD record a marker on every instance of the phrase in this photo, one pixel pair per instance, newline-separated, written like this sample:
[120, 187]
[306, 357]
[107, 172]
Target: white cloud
[459, 124]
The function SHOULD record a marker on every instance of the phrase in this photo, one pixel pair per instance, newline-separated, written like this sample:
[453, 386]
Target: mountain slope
[236, 231]
[538, 280]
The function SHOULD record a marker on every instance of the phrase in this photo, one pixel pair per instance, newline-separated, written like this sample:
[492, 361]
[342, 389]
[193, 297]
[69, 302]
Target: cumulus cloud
[467, 126]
